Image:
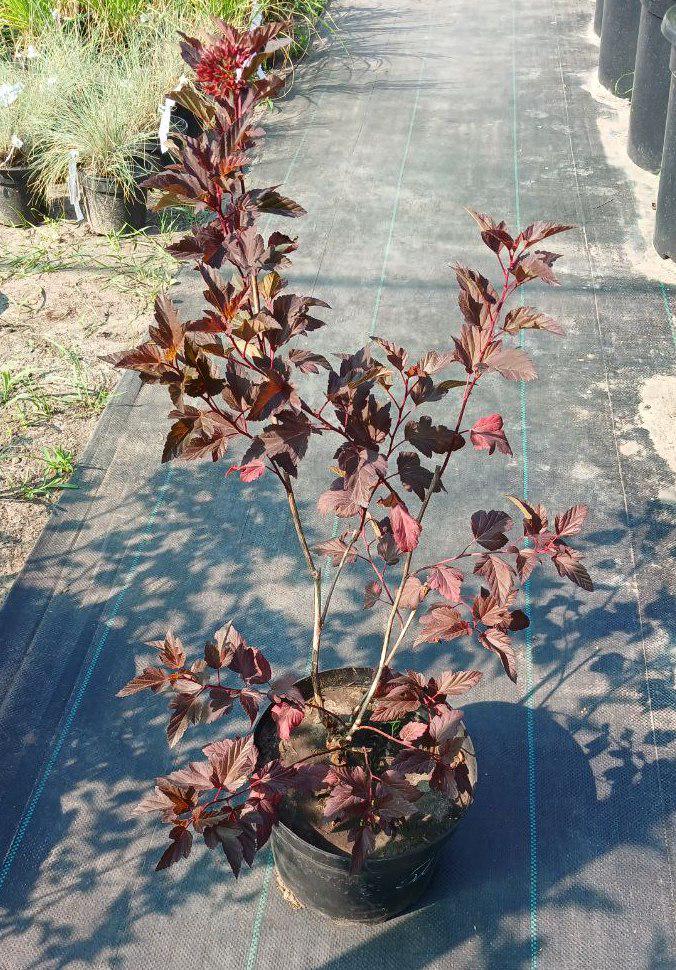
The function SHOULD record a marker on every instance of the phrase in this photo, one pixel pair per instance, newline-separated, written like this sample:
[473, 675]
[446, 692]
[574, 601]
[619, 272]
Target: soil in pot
[18, 206]
[107, 208]
[313, 858]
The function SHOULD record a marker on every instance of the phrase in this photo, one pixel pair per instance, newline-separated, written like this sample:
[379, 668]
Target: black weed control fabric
[413, 110]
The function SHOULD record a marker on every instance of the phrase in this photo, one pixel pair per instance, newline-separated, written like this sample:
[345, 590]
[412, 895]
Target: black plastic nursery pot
[320, 879]
[665, 217]
[58, 204]
[18, 206]
[650, 94]
[617, 53]
[598, 17]
[108, 210]
[190, 123]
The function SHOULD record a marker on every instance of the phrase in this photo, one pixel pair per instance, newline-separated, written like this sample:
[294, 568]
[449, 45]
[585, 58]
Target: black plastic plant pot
[617, 54]
[598, 17]
[320, 878]
[188, 122]
[58, 204]
[109, 210]
[665, 218]
[17, 204]
[650, 94]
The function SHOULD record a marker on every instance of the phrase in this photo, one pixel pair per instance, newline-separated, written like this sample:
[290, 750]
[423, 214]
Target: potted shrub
[359, 775]
[18, 203]
[104, 105]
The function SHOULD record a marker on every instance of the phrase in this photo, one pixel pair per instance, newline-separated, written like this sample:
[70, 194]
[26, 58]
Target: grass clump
[104, 105]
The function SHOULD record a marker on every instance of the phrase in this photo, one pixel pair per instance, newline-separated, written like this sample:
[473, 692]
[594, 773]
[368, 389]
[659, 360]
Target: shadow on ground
[594, 788]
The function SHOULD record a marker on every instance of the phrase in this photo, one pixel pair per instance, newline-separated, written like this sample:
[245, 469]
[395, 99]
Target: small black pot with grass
[665, 219]
[650, 94]
[619, 37]
[18, 203]
[112, 209]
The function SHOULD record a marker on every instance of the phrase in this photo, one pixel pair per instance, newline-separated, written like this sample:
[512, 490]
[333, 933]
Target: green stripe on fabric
[257, 929]
[397, 194]
[528, 700]
[252, 957]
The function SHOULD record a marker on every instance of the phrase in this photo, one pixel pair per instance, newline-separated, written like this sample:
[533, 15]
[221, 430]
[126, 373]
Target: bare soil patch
[67, 299]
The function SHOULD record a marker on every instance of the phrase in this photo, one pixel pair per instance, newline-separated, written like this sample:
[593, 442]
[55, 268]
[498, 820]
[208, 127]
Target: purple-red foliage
[232, 376]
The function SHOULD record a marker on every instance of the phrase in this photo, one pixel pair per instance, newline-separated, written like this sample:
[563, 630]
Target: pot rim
[669, 25]
[10, 169]
[339, 859]
[102, 182]
[657, 8]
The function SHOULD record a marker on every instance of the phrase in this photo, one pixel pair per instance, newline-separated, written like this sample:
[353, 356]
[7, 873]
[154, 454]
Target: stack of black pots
[637, 60]
[665, 219]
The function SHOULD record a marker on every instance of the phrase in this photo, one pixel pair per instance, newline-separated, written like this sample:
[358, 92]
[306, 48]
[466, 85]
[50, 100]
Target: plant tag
[165, 121]
[74, 184]
[256, 21]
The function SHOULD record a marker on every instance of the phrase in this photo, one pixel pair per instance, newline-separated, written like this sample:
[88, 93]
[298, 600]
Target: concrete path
[418, 108]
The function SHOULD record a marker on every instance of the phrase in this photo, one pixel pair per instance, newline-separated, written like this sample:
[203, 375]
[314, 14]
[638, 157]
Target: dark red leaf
[512, 363]
[181, 844]
[571, 522]
[536, 266]
[441, 622]
[405, 529]
[519, 620]
[453, 683]
[446, 580]
[232, 760]
[286, 716]
[490, 529]
[497, 641]
[412, 594]
[432, 439]
[171, 652]
[488, 434]
[287, 439]
[568, 564]
[186, 709]
[538, 231]
[372, 593]
[150, 677]
[497, 574]
[363, 845]
[526, 317]
[335, 548]
[396, 355]
[413, 731]
[308, 362]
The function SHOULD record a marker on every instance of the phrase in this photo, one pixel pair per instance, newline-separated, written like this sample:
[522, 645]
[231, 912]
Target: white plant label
[165, 121]
[256, 21]
[74, 184]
